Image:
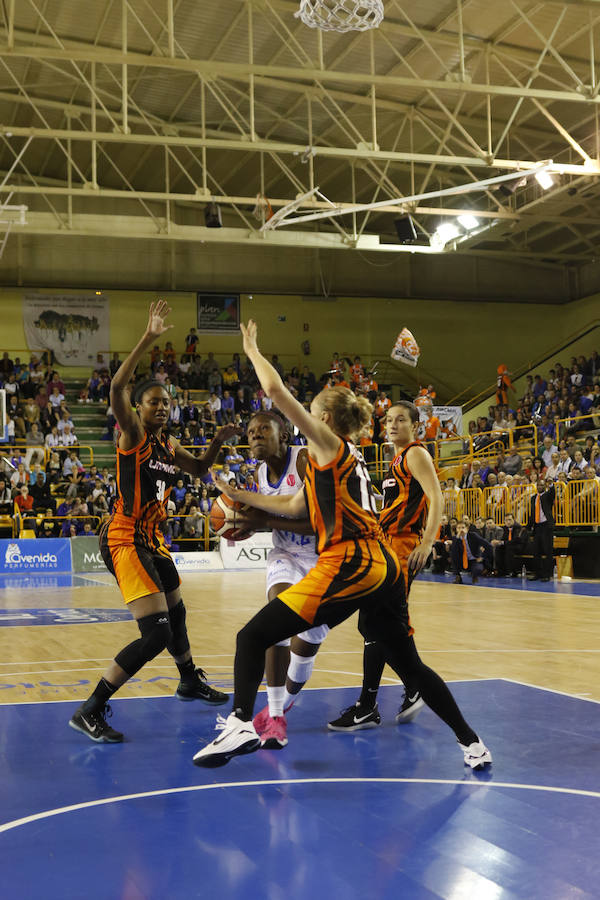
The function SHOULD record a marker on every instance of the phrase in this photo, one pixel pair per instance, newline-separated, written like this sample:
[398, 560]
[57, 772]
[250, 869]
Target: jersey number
[160, 490]
[367, 500]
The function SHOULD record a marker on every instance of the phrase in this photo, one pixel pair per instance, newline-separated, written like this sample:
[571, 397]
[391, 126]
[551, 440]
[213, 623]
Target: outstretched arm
[292, 506]
[120, 397]
[317, 433]
[199, 465]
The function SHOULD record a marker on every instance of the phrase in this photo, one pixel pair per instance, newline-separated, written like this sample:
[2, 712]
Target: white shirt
[289, 483]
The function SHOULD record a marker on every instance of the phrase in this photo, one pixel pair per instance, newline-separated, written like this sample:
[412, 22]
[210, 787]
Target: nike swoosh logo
[94, 729]
[359, 719]
[413, 699]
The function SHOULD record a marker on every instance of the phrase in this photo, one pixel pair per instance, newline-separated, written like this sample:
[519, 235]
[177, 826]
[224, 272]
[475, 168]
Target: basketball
[222, 517]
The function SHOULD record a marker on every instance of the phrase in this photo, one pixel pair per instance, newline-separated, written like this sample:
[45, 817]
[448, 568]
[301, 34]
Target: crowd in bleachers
[552, 416]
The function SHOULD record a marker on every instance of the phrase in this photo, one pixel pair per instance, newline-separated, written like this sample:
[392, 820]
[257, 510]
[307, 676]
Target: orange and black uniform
[131, 542]
[356, 567]
[404, 510]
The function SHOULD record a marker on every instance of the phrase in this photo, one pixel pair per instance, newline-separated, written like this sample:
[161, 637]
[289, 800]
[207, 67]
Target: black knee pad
[156, 634]
[179, 643]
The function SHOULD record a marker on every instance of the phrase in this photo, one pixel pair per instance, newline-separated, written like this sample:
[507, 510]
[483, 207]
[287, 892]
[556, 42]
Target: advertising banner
[218, 313]
[75, 328]
[450, 418]
[248, 554]
[50, 555]
[198, 562]
[86, 555]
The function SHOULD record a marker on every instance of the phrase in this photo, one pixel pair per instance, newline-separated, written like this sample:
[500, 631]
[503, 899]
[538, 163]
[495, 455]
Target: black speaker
[212, 216]
[405, 230]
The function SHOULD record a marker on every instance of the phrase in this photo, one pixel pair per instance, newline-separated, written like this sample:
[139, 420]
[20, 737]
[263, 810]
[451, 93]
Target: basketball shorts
[284, 567]
[139, 571]
[360, 574]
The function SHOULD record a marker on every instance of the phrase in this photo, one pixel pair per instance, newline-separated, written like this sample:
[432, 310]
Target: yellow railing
[577, 503]
[575, 424]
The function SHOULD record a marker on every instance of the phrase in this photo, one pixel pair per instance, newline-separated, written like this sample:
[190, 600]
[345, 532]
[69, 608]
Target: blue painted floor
[583, 588]
[387, 813]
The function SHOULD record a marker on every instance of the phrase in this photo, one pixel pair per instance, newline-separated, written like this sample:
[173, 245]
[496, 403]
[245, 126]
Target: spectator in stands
[48, 527]
[493, 534]
[19, 477]
[56, 398]
[68, 437]
[250, 485]
[40, 493]
[214, 382]
[510, 547]
[6, 365]
[234, 458]
[547, 450]
[72, 464]
[513, 463]
[466, 552]
[6, 498]
[565, 462]
[227, 408]
[204, 502]
[579, 462]
[65, 419]
[24, 501]
[466, 477]
[191, 340]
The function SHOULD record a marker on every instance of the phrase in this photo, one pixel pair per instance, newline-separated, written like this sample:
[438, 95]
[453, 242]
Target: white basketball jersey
[289, 483]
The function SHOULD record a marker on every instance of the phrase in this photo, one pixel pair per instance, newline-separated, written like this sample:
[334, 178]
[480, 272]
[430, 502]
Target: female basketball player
[410, 520]
[280, 472]
[132, 544]
[355, 569]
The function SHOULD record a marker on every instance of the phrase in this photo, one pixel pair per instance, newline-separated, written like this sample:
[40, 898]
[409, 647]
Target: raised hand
[250, 333]
[225, 433]
[159, 310]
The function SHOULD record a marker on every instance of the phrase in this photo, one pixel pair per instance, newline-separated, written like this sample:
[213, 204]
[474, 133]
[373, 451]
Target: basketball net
[341, 15]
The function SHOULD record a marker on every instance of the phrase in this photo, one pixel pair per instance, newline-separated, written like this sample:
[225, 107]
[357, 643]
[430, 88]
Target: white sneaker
[236, 738]
[476, 755]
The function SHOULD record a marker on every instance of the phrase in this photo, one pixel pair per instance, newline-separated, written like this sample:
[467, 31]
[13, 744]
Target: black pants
[543, 537]
[384, 622]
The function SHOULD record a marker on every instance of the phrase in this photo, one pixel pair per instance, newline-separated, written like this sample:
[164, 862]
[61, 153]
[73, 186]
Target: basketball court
[387, 812]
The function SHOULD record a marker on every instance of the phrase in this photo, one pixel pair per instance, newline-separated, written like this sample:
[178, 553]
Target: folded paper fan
[406, 349]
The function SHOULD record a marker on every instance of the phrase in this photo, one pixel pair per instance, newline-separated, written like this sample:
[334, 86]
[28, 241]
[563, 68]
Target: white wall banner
[248, 554]
[197, 562]
[450, 418]
[75, 327]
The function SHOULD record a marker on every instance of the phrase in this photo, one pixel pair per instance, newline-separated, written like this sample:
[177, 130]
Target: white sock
[276, 700]
[288, 699]
[299, 671]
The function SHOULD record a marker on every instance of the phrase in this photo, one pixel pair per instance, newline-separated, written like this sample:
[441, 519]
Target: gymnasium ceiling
[123, 118]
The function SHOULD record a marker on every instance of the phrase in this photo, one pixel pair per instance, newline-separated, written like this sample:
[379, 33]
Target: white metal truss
[141, 111]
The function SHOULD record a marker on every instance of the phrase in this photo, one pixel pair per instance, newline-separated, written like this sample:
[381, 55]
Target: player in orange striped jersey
[356, 568]
[132, 544]
[410, 519]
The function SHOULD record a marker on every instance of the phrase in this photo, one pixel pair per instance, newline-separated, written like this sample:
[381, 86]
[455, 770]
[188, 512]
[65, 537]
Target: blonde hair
[350, 414]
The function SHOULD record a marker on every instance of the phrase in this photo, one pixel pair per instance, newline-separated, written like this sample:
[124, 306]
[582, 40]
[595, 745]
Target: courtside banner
[198, 562]
[86, 555]
[31, 555]
[249, 554]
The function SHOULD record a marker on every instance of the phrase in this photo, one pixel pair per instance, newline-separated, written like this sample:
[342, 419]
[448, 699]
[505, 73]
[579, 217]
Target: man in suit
[509, 547]
[541, 523]
[467, 552]
[493, 534]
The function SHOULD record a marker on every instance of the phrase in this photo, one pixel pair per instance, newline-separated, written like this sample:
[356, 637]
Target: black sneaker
[411, 705]
[95, 726]
[200, 690]
[355, 718]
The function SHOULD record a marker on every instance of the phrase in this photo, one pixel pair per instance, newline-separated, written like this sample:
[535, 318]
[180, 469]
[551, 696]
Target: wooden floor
[464, 632]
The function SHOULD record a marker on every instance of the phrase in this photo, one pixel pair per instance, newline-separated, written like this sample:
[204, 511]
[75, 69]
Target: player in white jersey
[287, 668]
